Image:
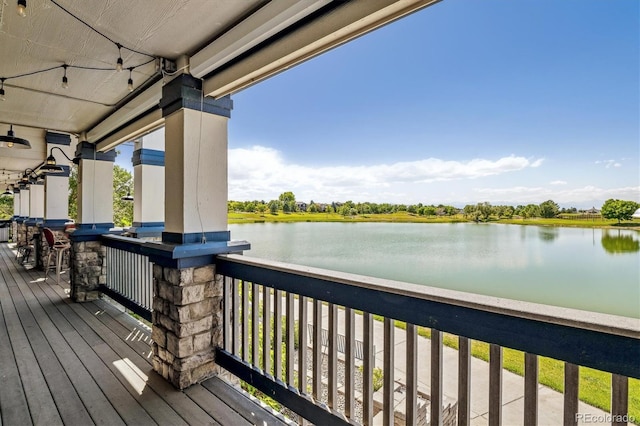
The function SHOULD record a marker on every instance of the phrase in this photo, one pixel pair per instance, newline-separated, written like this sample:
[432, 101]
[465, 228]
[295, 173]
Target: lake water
[590, 269]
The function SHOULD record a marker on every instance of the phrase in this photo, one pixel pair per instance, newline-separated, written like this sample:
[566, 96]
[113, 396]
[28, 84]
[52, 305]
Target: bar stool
[57, 248]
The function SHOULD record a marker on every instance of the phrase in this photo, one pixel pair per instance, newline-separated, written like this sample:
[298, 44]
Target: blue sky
[465, 101]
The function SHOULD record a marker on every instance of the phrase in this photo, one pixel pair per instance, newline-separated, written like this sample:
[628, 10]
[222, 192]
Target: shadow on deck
[81, 364]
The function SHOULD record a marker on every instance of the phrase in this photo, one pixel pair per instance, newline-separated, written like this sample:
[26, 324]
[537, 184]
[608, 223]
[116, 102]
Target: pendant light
[119, 62]
[11, 141]
[130, 82]
[65, 80]
[22, 8]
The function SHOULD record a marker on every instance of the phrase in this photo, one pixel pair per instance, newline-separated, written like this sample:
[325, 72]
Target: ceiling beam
[267, 21]
[330, 30]
[133, 110]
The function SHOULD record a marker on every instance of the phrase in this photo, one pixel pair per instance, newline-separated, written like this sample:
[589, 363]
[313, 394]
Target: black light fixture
[22, 8]
[127, 197]
[65, 80]
[50, 165]
[2, 98]
[8, 192]
[11, 141]
[26, 177]
[119, 62]
[130, 82]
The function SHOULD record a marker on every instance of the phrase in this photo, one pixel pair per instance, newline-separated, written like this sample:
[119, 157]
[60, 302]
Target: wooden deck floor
[82, 364]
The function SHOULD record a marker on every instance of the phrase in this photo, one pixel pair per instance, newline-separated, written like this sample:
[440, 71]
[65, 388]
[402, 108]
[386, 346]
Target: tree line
[480, 212]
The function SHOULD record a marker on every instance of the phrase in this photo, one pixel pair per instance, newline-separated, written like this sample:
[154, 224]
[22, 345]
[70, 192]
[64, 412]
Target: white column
[149, 180]
[16, 204]
[196, 172]
[56, 202]
[36, 202]
[24, 203]
[95, 188]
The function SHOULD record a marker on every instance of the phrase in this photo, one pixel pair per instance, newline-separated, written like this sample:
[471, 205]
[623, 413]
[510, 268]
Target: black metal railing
[283, 324]
[129, 274]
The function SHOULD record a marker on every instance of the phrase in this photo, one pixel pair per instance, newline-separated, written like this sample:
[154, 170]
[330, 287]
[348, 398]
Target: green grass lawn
[595, 385]
[404, 217]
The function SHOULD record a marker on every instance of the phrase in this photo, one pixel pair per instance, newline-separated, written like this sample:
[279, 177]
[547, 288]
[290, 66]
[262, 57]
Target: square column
[24, 203]
[56, 202]
[95, 217]
[187, 317]
[196, 174]
[149, 180]
[95, 187]
[36, 203]
[16, 203]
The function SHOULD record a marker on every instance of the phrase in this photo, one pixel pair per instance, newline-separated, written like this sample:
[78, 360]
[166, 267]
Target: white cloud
[558, 182]
[262, 173]
[609, 163]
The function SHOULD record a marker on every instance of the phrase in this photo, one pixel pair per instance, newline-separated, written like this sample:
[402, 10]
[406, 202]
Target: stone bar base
[88, 269]
[187, 323]
[44, 245]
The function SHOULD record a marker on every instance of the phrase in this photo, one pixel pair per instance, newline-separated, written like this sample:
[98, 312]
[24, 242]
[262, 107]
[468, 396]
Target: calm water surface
[591, 269]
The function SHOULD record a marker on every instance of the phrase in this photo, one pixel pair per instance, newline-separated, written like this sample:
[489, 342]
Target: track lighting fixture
[119, 61]
[130, 82]
[22, 8]
[65, 80]
[2, 98]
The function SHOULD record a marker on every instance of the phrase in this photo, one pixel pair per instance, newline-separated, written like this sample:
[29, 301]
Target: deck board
[80, 364]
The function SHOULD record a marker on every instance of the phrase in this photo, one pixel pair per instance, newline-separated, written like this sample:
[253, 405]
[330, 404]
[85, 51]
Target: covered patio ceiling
[230, 44]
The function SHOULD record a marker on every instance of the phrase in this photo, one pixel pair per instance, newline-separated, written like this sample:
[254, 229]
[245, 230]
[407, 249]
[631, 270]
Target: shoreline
[403, 217]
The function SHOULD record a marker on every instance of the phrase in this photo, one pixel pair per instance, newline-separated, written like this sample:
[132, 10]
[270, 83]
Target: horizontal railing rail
[129, 274]
[267, 305]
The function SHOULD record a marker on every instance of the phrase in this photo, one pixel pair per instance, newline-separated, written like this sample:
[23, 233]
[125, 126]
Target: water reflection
[617, 242]
[548, 235]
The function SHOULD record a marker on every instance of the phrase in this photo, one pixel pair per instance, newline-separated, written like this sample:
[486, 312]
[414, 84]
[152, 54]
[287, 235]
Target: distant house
[592, 210]
[301, 205]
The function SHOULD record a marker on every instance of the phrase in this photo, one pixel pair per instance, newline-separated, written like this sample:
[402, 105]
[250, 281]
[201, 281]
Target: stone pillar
[95, 217]
[148, 178]
[187, 294]
[88, 268]
[187, 323]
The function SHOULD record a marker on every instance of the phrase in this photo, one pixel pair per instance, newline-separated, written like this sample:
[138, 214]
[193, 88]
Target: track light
[130, 82]
[22, 8]
[65, 80]
[119, 61]
[2, 98]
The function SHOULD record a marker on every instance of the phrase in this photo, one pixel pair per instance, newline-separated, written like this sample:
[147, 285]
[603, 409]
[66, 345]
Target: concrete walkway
[550, 402]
